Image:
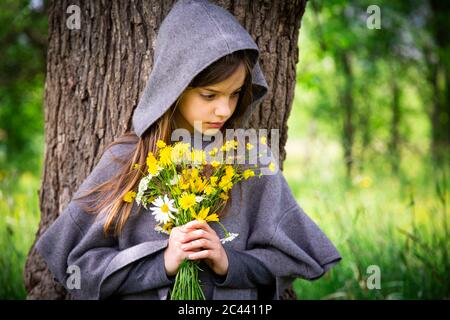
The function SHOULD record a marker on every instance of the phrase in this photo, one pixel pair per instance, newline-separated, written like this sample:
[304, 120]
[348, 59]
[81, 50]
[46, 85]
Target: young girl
[205, 69]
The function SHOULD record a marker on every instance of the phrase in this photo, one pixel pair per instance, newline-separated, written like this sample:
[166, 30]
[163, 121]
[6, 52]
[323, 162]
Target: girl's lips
[215, 124]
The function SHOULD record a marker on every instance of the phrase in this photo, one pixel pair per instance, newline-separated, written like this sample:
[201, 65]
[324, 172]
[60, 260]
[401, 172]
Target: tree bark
[95, 76]
[440, 81]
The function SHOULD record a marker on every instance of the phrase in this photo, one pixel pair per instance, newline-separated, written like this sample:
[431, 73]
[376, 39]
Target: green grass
[19, 219]
[394, 222]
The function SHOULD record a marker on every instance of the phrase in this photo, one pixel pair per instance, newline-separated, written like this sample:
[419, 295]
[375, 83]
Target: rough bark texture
[94, 79]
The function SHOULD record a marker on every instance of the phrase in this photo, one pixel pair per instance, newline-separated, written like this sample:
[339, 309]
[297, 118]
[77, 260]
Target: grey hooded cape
[277, 241]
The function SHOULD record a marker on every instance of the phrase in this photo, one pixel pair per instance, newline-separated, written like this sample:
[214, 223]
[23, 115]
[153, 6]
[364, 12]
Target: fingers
[204, 254]
[198, 244]
[179, 229]
[195, 224]
[196, 234]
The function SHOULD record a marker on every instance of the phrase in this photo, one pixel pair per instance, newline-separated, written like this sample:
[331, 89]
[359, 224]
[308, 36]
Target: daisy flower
[143, 186]
[199, 199]
[229, 237]
[163, 209]
[174, 180]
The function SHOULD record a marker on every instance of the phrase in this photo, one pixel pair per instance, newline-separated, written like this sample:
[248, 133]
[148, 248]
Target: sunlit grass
[393, 222]
[19, 218]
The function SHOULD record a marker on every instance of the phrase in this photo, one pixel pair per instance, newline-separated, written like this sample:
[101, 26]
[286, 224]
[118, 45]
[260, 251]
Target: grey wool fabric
[277, 241]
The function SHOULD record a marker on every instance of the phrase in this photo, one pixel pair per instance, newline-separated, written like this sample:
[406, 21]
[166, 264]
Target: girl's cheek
[200, 112]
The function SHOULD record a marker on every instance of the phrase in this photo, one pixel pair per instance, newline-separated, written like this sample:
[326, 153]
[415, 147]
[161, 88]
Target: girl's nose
[223, 108]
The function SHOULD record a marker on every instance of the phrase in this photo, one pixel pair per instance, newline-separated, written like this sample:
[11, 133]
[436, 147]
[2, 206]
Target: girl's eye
[211, 96]
[208, 96]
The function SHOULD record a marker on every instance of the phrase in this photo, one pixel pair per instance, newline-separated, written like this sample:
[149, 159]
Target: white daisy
[163, 209]
[229, 237]
[143, 186]
[174, 180]
[159, 229]
[199, 199]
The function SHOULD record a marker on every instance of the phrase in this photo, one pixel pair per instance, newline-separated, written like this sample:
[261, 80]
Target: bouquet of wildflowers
[182, 186]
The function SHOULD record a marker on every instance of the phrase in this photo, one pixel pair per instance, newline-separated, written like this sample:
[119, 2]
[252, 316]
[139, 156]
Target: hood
[194, 34]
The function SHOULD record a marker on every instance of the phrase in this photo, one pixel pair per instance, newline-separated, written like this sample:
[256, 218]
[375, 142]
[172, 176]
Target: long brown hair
[108, 196]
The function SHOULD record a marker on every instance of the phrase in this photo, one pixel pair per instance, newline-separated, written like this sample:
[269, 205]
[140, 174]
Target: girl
[205, 69]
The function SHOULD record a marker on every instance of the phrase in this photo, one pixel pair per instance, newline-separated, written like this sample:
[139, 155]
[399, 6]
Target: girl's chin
[210, 131]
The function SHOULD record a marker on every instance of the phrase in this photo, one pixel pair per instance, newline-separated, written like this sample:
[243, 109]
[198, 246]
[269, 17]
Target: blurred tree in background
[370, 84]
[23, 39]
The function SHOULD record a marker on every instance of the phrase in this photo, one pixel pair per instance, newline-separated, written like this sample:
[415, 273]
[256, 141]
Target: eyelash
[211, 96]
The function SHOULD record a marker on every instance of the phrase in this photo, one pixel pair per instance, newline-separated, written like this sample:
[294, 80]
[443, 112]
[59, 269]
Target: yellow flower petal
[129, 196]
[160, 144]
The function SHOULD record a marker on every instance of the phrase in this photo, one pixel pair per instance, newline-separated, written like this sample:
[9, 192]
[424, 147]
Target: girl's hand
[200, 236]
[174, 254]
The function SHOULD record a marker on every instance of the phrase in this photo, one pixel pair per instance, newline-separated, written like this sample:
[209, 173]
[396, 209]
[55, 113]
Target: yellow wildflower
[198, 156]
[223, 196]
[183, 184]
[180, 152]
[176, 190]
[225, 183]
[153, 169]
[165, 156]
[248, 173]
[263, 140]
[213, 152]
[272, 166]
[200, 184]
[213, 181]
[229, 171]
[187, 200]
[152, 164]
[215, 163]
[168, 227]
[129, 196]
[229, 145]
[208, 190]
[160, 144]
[194, 173]
[203, 216]
[151, 159]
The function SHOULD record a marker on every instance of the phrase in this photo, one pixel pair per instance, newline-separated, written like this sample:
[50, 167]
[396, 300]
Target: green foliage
[19, 220]
[399, 224]
[23, 38]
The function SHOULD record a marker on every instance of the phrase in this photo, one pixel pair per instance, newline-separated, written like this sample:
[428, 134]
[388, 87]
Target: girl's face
[212, 105]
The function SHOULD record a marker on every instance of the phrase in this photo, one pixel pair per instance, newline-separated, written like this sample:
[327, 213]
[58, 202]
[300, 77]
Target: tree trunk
[440, 75]
[394, 147]
[95, 76]
[348, 134]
